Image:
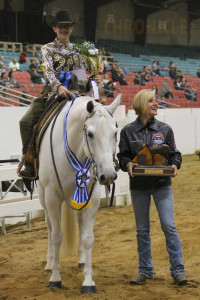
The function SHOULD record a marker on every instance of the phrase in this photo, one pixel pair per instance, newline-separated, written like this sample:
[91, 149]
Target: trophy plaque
[150, 161]
[159, 170]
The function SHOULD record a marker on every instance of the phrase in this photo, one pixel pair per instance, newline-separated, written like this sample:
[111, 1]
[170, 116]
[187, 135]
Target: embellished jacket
[57, 57]
[133, 136]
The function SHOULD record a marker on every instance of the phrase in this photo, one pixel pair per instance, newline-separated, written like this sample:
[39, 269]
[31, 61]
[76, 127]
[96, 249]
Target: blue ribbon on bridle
[65, 77]
[80, 194]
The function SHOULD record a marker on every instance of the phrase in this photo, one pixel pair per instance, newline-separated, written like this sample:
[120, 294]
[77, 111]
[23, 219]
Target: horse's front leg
[88, 218]
[88, 241]
[81, 249]
[53, 205]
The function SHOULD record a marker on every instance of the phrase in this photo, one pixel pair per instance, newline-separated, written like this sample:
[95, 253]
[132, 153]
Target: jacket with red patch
[133, 136]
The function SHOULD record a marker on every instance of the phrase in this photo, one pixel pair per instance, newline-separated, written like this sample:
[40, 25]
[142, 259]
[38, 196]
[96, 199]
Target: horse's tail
[70, 230]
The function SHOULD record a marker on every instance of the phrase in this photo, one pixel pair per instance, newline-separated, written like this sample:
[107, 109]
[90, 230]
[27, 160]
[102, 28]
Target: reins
[86, 137]
[56, 171]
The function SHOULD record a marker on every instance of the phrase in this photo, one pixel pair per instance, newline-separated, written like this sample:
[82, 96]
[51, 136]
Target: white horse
[91, 133]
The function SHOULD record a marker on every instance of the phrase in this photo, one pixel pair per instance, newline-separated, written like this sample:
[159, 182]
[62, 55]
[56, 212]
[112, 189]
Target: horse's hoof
[81, 265]
[57, 284]
[48, 271]
[88, 289]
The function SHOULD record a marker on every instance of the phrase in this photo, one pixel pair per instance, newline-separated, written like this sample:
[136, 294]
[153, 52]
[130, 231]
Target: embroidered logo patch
[158, 139]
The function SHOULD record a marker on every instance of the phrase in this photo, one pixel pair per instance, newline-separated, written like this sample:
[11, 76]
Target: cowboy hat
[62, 16]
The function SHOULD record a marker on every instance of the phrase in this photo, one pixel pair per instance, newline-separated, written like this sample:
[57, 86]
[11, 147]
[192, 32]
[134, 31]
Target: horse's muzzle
[107, 180]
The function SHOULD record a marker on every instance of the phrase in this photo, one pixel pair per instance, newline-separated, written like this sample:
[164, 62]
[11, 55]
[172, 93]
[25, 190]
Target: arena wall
[185, 123]
[117, 21]
[17, 5]
[169, 27]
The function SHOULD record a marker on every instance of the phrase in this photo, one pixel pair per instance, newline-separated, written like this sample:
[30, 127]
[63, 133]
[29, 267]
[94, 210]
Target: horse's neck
[75, 123]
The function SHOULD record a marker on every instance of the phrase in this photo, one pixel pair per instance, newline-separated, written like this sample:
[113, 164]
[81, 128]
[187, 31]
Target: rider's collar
[61, 44]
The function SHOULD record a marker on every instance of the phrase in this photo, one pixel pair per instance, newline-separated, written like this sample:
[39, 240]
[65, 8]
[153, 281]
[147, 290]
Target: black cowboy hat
[62, 16]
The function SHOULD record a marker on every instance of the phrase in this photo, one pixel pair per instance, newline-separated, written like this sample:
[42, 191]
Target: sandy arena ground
[115, 260]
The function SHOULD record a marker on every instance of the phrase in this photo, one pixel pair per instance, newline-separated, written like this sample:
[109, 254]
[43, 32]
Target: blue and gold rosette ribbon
[80, 195]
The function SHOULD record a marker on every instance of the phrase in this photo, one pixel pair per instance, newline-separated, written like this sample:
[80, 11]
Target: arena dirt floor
[115, 261]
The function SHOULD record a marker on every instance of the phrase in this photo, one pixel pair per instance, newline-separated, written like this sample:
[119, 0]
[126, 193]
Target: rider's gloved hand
[62, 91]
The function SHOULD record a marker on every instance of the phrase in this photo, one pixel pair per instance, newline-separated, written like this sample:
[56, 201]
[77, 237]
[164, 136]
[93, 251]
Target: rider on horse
[65, 71]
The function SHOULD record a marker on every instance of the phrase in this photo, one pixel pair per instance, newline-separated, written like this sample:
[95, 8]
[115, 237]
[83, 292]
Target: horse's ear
[90, 107]
[111, 108]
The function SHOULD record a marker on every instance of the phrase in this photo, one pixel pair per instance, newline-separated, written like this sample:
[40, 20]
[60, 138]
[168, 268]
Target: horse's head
[100, 139]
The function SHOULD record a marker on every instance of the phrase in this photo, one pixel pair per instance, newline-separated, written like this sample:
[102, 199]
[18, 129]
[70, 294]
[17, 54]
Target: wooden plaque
[144, 170]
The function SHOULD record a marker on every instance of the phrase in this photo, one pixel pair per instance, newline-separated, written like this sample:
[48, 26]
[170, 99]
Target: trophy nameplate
[162, 170]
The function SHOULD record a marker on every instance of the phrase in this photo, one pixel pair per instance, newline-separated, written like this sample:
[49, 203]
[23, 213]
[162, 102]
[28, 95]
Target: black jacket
[133, 136]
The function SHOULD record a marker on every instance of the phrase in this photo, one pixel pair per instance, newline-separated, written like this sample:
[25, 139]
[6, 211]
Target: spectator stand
[15, 96]
[11, 46]
[25, 81]
[187, 66]
[34, 50]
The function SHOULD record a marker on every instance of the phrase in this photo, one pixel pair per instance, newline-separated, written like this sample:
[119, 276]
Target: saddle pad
[45, 121]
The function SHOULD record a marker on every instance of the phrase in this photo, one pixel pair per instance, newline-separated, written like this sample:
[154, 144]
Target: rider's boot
[28, 171]
[29, 159]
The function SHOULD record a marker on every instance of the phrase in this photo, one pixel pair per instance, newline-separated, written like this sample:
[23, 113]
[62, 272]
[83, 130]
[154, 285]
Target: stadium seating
[133, 57]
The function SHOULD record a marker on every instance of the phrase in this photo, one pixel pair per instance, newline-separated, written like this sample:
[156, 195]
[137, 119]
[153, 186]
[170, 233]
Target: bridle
[94, 165]
[89, 150]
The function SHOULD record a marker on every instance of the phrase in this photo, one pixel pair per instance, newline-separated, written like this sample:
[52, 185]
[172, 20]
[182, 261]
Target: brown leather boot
[28, 171]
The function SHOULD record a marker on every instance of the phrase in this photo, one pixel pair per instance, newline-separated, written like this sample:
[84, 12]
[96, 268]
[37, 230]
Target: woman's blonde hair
[140, 101]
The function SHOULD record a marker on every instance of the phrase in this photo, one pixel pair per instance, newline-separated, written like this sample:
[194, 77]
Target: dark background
[29, 26]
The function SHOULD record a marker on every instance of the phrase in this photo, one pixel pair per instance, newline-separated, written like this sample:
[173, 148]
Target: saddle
[32, 155]
[31, 158]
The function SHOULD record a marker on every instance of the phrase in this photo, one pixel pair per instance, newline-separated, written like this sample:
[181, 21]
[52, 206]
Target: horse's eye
[90, 134]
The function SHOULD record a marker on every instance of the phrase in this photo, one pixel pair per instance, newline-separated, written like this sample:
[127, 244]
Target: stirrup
[33, 176]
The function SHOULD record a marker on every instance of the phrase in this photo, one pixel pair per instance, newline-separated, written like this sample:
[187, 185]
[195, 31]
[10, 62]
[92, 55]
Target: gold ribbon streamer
[94, 64]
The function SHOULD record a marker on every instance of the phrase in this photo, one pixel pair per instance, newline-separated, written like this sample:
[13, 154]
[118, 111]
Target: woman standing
[147, 130]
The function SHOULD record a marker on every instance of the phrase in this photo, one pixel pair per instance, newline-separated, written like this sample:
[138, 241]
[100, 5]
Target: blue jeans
[163, 199]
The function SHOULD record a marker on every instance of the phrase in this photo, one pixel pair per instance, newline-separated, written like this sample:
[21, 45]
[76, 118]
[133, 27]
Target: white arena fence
[14, 208]
[184, 122]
